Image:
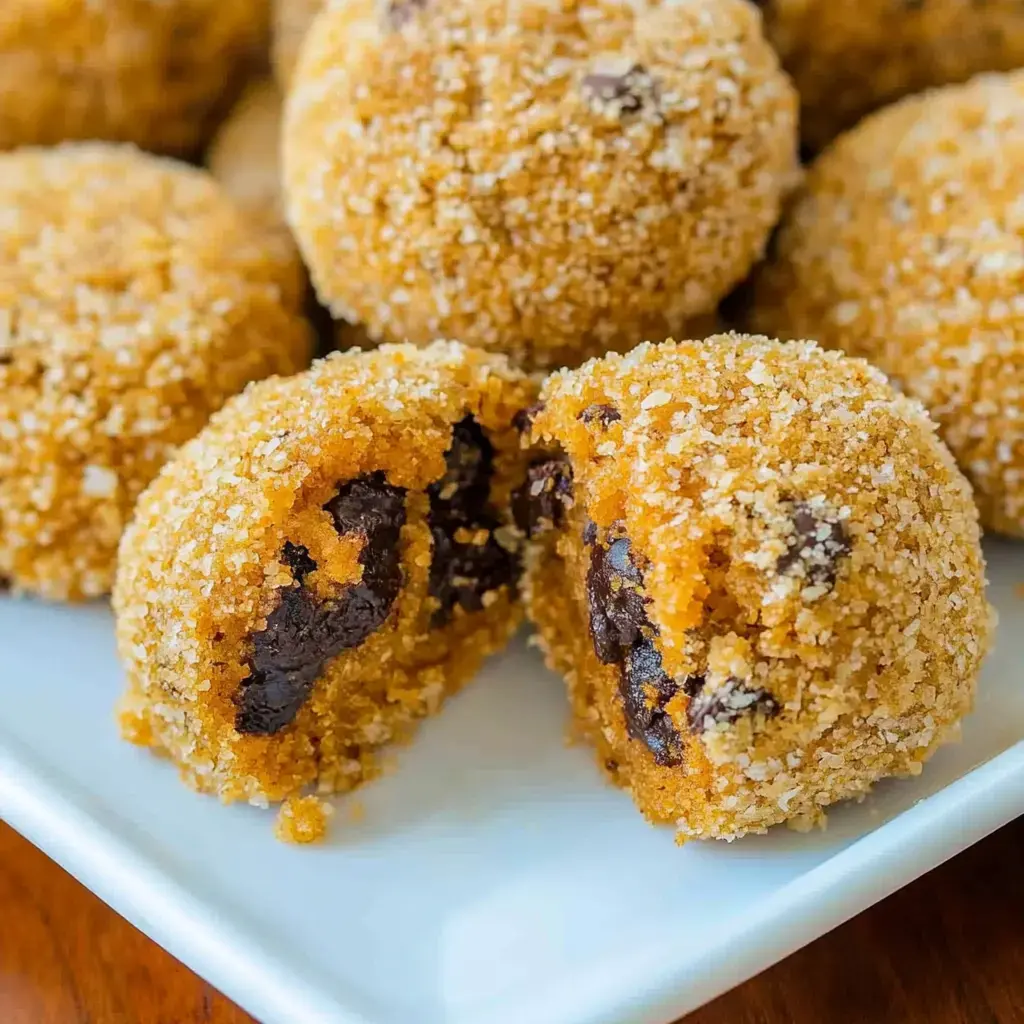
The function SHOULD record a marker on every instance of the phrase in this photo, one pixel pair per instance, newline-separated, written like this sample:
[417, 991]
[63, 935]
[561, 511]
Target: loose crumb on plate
[303, 819]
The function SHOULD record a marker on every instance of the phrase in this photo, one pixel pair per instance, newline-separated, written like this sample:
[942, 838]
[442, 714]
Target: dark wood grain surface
[948, 949]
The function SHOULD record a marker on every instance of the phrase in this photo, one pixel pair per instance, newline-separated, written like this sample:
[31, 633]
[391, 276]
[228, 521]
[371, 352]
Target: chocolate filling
[468, 562]
[541, 503]
[623, 634]
[304, 632]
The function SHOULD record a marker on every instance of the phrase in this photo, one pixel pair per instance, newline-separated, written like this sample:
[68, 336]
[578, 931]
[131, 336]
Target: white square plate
[494, 878]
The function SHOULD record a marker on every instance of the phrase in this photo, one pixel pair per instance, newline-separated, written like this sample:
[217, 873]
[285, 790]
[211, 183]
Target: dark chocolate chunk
[727, 703]
[542, 501]
[304, 632]
[617, 614]
[818, 542]
[462, 570]
[523, 420]
[603, 414]
[296, 557]
[623, 633]
[645, 690]
[590, 532]
[400, 12]
[626, 89]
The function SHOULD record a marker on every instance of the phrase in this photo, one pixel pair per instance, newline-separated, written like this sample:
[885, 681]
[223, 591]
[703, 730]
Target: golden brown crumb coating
[134, 300]
[759, 571]
[550, 183]
[905, 248]
[318, 569]
[849, 57]
[158, 74]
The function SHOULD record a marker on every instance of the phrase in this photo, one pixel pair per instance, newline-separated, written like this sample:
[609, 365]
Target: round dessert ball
[548, 182]
[759, 571]
[321, 566]
[848, 59]
[245, 155]
[245, 158]
[156, 74]
[135, 298]
[905, 248]
[290, 21]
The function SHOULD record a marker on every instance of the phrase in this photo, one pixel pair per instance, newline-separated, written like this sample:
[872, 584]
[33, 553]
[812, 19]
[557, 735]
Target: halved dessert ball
[758, 570]
[327, 561]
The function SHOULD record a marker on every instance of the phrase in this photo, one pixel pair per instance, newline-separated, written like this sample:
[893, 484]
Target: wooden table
[948, 949]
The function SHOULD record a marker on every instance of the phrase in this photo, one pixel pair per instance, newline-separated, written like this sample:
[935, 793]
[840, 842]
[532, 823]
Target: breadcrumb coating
[768, 590]
[905, 247]
[159, 74]
[550, 181]
[134, 300]
[235, 542]
[848, 59]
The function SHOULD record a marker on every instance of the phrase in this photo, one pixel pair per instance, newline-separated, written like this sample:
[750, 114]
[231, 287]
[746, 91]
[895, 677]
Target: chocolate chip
[5, 584]
[621, 86]
[645, 690]
[296, 557]
[462, 571]
[819, 540]
[589, 532]
[727, 703]
[523, 420]
[603, 414]
[541, 503]
[304, 632]
[617, 614]
[400, 12]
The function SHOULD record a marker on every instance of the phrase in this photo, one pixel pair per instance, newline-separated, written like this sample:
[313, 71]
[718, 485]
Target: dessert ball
[135, 299]
[156, 74]
[321, 566]
[245, 154]
[905, 248]
[547, 182]
[245, 159]
[758, 570]
[290, 21]
[847, 59]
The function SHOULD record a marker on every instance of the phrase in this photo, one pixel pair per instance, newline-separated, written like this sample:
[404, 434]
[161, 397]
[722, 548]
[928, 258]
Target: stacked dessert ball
[755, 563]
[546, 183]
[906, 247]
[134, 300]
[157, 74]
[848, 59]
